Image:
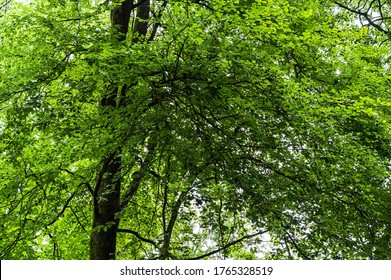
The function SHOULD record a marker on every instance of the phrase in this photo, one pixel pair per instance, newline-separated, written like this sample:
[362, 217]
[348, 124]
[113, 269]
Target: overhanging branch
[135, 233]
[365, 15]
[229, 245]
[63, 209]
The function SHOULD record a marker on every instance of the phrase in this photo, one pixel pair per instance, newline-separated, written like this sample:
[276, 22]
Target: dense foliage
[196, 129]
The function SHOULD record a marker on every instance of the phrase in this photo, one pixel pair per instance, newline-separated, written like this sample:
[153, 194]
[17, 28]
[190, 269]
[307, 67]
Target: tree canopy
[195, 129]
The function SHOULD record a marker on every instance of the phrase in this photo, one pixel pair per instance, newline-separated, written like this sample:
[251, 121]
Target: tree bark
[103, 238]
[107, 190]
[141, 24]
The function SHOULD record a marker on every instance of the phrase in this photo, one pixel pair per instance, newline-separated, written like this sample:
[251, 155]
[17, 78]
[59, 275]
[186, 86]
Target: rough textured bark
[108, 185]
[141, 24]
[106, 204]
[120, 17]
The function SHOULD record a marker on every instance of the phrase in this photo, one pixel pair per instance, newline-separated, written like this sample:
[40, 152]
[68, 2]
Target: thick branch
[297, 247]
[157, 24]
[135, 233]
[229, 245]
[85, 183]
[137, 177]
[64, 207]
[5, 5]
[365, 15]
[78, 220]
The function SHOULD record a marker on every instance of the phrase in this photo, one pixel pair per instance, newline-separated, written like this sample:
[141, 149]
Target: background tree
[192, 129]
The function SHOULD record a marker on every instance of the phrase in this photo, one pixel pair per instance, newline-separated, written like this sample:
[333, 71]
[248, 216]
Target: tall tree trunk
[107, 190]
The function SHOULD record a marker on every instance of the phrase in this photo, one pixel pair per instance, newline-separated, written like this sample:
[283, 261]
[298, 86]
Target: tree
[192, 129]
